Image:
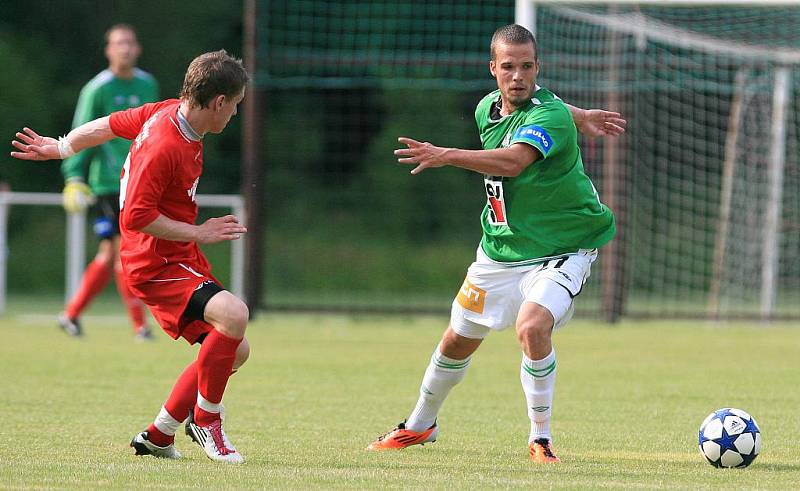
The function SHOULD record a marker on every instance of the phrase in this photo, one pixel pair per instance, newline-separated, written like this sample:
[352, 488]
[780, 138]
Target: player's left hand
[596, 122]
[33, 146]
[423, 154]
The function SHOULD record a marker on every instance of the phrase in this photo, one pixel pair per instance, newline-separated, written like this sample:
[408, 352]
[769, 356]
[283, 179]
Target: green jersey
[103, 95]
[551, 208]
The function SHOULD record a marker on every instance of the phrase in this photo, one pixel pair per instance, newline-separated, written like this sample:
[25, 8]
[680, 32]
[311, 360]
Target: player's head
[122, 47]
[514, 63]
[215, 83]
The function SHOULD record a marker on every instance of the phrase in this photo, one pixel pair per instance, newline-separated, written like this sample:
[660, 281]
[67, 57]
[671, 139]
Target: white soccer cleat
[143, 446]
[214, 441]
[70, 326]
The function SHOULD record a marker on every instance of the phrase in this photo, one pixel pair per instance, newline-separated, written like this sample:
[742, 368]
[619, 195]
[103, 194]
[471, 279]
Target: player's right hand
[33, 146]
[218, 229]
[76, 196]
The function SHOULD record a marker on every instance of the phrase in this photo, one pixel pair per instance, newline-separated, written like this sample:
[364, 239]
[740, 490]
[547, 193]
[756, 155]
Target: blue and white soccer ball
[729, 437]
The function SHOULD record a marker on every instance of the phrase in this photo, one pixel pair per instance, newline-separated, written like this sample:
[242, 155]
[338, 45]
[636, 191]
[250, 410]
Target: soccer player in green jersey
[121, 86]
[542, 226]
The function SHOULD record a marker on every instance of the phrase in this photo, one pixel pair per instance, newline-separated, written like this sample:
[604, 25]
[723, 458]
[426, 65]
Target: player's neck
[196, 118]
[506, 107]
[123, 72]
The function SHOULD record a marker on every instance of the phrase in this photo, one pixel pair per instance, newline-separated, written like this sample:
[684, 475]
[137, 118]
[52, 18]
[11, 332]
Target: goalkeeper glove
[77, 196]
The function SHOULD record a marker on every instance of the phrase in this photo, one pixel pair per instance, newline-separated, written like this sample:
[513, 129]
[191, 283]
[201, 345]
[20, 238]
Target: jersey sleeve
[546, 129]
[127, 124]
[86, 110]
[144, 189]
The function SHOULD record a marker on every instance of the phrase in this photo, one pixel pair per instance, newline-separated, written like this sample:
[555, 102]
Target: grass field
[318, 389]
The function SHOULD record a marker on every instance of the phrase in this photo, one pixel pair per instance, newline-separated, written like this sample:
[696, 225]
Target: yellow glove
[76, 196]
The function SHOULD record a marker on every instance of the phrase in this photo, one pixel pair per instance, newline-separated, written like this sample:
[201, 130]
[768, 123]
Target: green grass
[318, 389]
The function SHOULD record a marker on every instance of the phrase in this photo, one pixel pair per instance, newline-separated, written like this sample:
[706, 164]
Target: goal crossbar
[642, 26]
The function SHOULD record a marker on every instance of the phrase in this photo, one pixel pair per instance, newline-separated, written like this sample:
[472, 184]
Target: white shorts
[493, 292]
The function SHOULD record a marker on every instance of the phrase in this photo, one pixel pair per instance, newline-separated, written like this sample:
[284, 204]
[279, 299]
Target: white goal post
[76, 237]
[699, 43]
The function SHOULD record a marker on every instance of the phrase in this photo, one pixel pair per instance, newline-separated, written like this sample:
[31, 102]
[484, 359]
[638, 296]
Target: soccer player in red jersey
[159, 248]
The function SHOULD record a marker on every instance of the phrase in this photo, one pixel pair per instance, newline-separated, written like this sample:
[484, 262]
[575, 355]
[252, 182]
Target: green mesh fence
[706, 177]
[390, 44]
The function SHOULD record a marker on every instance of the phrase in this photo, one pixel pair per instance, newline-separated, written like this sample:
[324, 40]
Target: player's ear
[219, 101]
[492, 68]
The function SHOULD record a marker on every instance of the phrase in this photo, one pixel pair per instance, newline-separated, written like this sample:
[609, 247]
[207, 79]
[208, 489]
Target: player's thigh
[555, 285]
[227, 313]
[488, 299]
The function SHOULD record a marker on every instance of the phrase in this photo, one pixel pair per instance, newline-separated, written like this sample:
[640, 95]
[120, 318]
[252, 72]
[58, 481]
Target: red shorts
[167, 295]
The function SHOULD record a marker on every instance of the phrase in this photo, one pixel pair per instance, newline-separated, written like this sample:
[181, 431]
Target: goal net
[705, 182]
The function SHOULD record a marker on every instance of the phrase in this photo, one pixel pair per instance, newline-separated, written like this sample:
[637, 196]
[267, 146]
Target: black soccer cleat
[143, 446]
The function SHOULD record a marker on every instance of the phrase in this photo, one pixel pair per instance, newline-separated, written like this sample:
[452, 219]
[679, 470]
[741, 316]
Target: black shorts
[196, 307]
[106, 223]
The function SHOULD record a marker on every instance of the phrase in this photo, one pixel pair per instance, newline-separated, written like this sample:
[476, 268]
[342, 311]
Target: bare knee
[228, 314]
[534, 330]
[457, 347]
[242, 354]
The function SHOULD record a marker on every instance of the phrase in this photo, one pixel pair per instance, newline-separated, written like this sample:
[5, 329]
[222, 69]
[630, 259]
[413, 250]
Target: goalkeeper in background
[121, 86]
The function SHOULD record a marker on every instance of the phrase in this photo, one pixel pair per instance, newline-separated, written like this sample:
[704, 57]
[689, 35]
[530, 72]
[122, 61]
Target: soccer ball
[729, 438]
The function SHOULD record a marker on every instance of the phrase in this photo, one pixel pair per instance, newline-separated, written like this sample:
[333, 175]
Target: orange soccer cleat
[400, 438]
[542, 452]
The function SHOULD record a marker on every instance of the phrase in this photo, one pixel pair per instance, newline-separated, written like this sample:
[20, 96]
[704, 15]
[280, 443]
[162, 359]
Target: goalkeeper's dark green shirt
[101, 166]
[551, 208]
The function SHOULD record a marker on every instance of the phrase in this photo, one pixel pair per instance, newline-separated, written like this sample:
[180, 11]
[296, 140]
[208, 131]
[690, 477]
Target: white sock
[443, 374]
[208, 406]
[165, 423]
[538, 379]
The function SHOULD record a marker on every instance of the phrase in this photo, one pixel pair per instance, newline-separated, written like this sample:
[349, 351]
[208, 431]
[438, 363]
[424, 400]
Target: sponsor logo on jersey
[495, 200]
[471, 297]
[535, 134]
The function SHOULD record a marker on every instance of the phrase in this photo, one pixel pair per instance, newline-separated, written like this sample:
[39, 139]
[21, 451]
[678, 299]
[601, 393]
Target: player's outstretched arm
[510, 161]
[211, 231]
[32, 146]
[597, 122]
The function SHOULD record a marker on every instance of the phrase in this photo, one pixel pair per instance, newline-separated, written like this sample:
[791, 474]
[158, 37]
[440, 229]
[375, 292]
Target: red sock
[95, 278]
[158, 438]
[214, 365]
[184, 394]
[134, 305]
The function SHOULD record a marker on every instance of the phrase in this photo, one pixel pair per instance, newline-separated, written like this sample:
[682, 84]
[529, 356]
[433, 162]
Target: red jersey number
[495, 201]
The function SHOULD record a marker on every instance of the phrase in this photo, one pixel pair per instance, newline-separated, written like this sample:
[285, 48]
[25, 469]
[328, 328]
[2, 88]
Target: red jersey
[160, 176]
